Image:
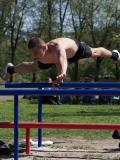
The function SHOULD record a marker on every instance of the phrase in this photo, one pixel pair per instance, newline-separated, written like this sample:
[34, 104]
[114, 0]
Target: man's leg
[103, 52]
[24, 67]
[9, 70]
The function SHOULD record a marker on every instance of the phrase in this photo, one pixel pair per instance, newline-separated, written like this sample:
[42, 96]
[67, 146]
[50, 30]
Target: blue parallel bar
[39, 120]
[26, 85]
[16, 108]
[65, 85]
[46, 92]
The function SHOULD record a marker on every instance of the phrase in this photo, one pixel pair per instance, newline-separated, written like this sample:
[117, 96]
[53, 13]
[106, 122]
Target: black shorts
[84, 51]
[44, 66]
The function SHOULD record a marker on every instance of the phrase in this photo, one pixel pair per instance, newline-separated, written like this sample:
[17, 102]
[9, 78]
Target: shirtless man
[57, 52]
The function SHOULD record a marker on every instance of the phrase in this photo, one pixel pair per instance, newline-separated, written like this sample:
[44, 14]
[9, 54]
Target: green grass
[61, 113]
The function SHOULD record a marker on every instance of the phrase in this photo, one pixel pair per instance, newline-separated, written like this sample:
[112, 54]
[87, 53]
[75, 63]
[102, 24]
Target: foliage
[94, 21]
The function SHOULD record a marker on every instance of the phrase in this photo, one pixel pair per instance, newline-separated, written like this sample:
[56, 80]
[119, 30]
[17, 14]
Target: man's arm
[61, 65]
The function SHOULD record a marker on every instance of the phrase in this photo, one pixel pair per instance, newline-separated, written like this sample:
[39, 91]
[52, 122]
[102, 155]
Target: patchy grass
[90, 156]
[41, 158]
[84, 147]
[56, 147]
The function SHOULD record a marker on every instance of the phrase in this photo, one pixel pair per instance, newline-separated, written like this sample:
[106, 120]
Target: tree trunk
[34, 77]
[62, 16]
[117, 73]
[49, 5]
[98, 63]
[76, 65]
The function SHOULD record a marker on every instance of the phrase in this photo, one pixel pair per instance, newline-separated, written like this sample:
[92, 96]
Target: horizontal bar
[90, 126]
[48, 92]
[65, 85]
[27, 85]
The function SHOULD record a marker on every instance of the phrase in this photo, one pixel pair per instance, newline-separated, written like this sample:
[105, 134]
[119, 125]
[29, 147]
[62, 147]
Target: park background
[95, 22]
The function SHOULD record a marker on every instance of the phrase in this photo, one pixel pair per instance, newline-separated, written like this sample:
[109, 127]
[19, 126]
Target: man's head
[37, 46]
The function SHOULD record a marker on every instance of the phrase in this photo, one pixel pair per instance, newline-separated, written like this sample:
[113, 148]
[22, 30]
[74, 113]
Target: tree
[78, 14]
[100, 21]
[4, 27]
[62, 14]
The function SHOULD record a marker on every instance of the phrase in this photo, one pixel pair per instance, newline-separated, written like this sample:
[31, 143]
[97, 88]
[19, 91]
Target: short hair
[35, 42]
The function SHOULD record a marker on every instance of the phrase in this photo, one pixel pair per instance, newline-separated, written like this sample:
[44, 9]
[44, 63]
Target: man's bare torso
[68, 45]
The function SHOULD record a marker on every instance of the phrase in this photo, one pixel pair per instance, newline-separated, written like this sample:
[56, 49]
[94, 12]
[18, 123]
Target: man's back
[69, 45]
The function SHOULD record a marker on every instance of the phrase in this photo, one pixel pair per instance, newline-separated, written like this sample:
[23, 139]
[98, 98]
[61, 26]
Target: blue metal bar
[65, 85]
[46, 92]
[27, 85]
[39, 120]
[16, 108]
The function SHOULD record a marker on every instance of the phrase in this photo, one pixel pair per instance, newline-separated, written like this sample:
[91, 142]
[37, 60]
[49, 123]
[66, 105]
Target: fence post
[27, 140]
[16, 119]
[39, 120]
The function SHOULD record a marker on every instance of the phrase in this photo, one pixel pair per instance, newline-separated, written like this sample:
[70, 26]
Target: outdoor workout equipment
[96, 88]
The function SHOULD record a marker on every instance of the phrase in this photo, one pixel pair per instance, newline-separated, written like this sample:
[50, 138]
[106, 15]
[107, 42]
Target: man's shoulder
[62, 39]
[63, 43]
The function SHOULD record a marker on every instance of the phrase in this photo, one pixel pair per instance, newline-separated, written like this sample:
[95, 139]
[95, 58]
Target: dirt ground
[74, 149]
